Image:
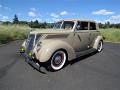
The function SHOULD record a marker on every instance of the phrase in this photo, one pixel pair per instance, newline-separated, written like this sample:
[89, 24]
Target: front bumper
[34, 63]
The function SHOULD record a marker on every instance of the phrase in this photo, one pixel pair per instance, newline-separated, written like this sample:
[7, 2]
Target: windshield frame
[30, 42]
[62, 23]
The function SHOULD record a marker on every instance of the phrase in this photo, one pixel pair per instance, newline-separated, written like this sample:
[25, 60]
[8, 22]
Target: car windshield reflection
[68, 25]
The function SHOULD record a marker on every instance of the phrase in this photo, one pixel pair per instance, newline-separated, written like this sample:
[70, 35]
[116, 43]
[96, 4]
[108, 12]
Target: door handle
[79, 37]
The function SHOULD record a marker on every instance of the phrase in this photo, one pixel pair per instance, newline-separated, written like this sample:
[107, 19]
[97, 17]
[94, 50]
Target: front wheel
[57, 60]
[100, 46]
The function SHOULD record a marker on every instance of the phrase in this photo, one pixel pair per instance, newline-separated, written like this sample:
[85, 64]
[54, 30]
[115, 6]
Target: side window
[82, 26]
[92, 26]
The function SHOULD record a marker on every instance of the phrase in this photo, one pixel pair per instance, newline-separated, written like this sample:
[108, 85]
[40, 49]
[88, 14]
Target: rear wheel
[58, 60]
[100, 46]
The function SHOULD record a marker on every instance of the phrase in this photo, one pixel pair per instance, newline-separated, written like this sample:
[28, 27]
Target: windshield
[64, 25]
[57, 25]
[30, 42]
[37, 38]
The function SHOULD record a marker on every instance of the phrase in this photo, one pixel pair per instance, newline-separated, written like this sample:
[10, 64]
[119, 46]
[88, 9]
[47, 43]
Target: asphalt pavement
[96, 71]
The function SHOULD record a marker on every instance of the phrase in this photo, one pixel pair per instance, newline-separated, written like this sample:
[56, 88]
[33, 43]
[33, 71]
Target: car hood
[50, 31]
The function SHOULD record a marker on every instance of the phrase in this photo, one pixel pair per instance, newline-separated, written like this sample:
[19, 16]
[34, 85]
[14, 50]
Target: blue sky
[52, 10]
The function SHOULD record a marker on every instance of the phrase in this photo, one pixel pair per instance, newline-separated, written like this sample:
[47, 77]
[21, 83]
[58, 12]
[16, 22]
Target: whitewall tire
[58, 60]
[100, 46]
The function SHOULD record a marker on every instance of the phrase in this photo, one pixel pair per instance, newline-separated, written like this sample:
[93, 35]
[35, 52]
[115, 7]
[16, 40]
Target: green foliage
[34, 24]
[15, 20]
[23, 23]
[6, 23]
[111, 34]
[109, 25]
[12, 32]
[4, 38]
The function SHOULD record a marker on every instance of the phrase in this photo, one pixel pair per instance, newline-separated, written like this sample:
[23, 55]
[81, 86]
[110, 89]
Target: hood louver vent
[57, 36]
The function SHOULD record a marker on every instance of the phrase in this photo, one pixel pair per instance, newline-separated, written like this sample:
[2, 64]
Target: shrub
[12, 32]
[111, 34]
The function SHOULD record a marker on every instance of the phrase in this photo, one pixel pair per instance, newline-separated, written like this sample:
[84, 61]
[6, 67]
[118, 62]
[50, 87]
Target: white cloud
[102, 21]
[98, 21]
[5, 18]
[117, 17]
[107, 20]
[3, 7]
[103, 12]
[39, 20]
[54, 15]
[112, 19]
[0, 6]
[57, 16]
[33, 9]
[64, 13]
[32, 14]
[55, 19]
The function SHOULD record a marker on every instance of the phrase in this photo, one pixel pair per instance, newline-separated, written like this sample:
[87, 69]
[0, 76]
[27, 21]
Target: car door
[81, 36]
[93, 32]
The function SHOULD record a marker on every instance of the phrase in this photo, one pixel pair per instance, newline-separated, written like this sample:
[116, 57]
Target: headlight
[38, 46]
[30, 54]
[22, 49]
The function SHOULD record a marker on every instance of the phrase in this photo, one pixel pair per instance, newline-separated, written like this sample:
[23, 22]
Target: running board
[82, 53]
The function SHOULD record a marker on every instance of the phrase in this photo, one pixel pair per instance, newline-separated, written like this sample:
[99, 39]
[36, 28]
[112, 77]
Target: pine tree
[15, 19]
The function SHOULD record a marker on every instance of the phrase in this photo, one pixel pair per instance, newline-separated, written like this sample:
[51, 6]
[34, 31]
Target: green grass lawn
[17, 32]
[12, 32]
[111, 34]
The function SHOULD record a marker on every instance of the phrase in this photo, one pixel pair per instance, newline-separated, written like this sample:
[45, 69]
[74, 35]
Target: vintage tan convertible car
[67, 40]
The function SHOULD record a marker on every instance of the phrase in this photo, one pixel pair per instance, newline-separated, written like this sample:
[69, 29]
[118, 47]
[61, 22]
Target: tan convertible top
[87, 20]
[61, 31]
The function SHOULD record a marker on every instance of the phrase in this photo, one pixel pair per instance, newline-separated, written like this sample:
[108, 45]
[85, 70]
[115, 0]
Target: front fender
[50, 46]
[23, 44]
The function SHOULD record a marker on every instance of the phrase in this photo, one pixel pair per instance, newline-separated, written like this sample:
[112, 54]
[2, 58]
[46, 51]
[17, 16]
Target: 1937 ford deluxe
[67, 40]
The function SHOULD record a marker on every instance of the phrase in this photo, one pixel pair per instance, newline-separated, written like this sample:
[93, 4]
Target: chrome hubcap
[100, 46]
[58, 60]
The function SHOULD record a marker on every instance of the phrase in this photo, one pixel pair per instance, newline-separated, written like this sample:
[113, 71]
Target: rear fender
[96, 42]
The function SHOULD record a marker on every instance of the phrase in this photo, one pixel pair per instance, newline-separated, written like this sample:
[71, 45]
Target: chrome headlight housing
[31, 55]
[22, 49]
[38, 46]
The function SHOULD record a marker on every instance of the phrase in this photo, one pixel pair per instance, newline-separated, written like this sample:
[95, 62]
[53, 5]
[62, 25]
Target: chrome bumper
[31, 62]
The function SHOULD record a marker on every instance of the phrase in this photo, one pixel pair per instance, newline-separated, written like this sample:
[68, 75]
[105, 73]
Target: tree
[23, 22]
[34, 24]
[43, 25]
[108, 24]
[6, 23]
[15, 19]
